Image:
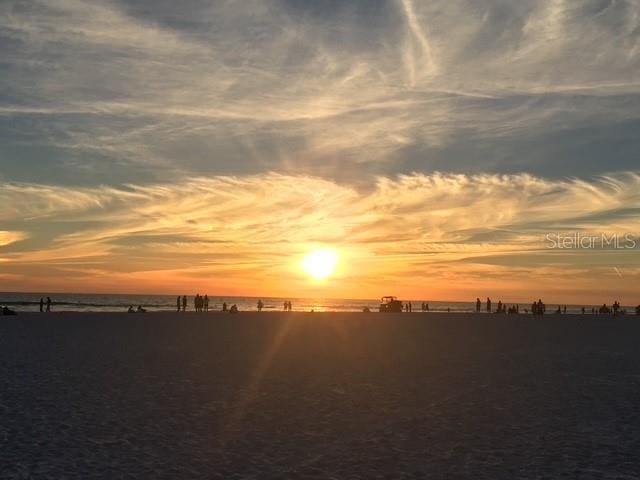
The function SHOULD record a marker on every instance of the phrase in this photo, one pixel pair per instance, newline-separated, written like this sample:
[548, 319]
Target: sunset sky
[155, 146]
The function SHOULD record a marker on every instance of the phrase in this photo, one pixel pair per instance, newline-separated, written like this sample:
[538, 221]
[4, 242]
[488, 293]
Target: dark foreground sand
[348, 396]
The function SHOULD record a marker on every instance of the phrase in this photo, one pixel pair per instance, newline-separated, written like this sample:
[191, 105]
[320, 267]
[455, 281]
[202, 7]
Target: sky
[153, 146]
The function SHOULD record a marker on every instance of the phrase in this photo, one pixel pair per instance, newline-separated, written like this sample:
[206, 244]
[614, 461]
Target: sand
[348, 396]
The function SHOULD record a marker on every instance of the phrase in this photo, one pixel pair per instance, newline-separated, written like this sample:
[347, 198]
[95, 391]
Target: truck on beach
[390, 304]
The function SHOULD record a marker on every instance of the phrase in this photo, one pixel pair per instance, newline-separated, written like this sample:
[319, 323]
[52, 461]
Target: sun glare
[320, 264]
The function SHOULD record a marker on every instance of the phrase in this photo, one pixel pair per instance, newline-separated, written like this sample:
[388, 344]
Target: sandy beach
[297, 395]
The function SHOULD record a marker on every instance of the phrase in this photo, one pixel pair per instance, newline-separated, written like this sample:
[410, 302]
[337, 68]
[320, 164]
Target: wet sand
[293, 395]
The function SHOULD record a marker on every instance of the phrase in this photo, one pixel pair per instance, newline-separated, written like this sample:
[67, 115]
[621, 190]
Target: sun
[320, 264]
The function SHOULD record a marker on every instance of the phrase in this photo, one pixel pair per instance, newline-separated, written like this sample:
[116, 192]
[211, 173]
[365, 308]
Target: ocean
[84, 302]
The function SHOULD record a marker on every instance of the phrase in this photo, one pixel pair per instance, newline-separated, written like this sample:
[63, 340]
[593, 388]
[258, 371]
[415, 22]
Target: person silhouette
[131, 310]
[41, 304]
[48, 304]
[224, 306]
[184, 303]
[488, 305]
[478, 304]
[206, 303]
[260, 305]
[178, 303]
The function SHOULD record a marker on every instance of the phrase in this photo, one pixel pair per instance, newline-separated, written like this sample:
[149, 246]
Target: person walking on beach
[48, 304]
[260, 305]
[184, 303]
[206, 303]
[488, 305]
[178, 303]
[41, 304]
[224, 306]
[478, 305]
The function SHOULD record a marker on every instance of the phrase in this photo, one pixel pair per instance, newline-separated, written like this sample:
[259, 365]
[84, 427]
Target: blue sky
[115, 96]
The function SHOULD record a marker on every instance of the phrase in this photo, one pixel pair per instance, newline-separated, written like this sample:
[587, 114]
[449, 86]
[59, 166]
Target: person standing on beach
[41, 304]
[478, 305]
[184, 303]
[48, 304]
[206, 303]
[224, 306]
[260, 305]
[178, 303]
[488, 305]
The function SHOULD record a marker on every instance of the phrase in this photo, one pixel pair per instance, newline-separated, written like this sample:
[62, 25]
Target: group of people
[45, 305]
[200, 303]
[538, 308]
[140, 309]
[287, 306]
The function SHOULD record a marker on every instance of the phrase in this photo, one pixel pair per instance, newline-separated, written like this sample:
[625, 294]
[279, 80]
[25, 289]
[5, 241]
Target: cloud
[406, 230]
[248, 87]
[143, 140]
[7, 238]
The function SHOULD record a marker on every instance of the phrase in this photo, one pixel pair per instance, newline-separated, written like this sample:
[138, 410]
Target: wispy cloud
[7, 238]
[261, 86]
[412, 230]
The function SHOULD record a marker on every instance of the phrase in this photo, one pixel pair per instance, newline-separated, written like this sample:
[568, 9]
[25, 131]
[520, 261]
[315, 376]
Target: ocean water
[82, 302]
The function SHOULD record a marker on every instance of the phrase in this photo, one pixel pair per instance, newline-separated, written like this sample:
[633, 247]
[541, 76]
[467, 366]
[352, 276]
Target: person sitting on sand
[233, 309]
[7, 311]
[366, 310]
[141, 310]
[131, 310]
